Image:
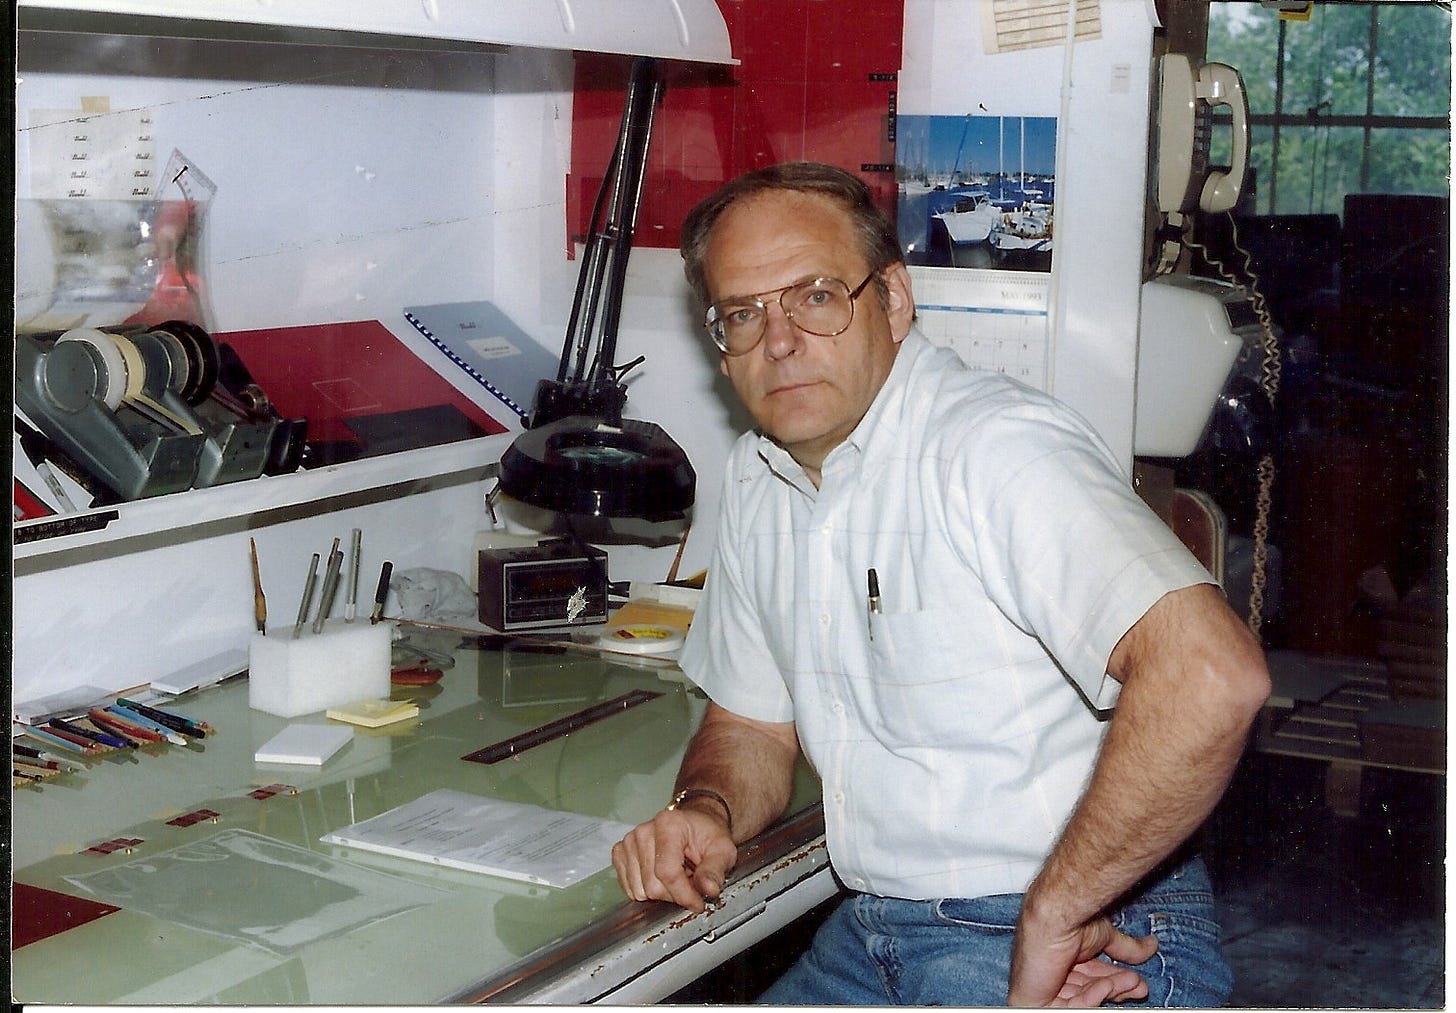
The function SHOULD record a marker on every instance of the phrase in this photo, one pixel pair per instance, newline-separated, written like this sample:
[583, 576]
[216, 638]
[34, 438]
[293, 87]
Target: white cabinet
[392, 154]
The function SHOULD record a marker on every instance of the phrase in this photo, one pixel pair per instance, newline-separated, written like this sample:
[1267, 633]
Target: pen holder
[343, 663]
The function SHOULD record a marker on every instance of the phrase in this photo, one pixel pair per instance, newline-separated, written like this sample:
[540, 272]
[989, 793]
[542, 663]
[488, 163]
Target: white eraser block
[345, 662]
[310, 744]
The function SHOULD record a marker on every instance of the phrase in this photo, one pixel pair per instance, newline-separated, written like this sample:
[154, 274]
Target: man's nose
[780, 337]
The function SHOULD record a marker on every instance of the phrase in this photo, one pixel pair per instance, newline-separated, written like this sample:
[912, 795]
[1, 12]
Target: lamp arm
[643, 93]
[587, 380]
[588, 285]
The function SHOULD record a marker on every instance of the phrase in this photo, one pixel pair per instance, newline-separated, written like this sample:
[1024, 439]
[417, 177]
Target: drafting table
[248, 907]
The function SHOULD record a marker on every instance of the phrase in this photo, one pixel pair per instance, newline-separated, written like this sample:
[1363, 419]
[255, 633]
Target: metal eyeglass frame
[713, 320]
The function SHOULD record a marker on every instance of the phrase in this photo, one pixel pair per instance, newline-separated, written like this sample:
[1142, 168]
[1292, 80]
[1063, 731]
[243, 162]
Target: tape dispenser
[128, 406]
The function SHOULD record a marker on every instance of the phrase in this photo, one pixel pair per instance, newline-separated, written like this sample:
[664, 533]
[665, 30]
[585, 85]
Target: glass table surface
[224, 893]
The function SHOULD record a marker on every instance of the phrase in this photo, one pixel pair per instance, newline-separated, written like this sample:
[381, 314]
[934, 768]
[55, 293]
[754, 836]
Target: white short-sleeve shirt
[955, 729]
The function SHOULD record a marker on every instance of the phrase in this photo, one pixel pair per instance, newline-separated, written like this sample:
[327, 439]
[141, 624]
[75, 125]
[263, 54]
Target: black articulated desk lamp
[578, 455]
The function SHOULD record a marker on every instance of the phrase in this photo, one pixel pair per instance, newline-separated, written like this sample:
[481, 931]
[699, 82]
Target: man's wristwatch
[691, 793]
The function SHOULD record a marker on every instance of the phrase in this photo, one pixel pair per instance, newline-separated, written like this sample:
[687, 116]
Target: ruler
[182, 178]
[561, 727]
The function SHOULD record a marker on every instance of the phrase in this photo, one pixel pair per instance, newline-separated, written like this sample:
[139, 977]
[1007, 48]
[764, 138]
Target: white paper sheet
[511, 839]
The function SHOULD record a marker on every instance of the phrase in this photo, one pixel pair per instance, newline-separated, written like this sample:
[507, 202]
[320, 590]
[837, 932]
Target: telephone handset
[1185, 129]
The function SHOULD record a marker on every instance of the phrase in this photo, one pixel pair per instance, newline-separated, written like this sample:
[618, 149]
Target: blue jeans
[880, 951]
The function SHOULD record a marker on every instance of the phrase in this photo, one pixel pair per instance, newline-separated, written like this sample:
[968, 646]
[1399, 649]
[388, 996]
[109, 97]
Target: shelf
[691, 30]
[178, 514]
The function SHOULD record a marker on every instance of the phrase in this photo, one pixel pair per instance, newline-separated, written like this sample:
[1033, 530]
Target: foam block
[345, 662]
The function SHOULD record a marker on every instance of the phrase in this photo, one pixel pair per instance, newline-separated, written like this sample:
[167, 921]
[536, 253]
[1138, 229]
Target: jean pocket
[996, 914]
[1188, 969]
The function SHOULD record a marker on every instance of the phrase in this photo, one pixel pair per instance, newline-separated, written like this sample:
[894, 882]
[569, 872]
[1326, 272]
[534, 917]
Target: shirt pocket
[922, 682]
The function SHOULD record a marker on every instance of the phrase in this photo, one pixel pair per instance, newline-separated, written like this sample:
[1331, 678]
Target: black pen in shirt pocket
[872, 603]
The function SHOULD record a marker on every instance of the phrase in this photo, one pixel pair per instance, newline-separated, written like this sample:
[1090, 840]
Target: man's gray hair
[873, 228]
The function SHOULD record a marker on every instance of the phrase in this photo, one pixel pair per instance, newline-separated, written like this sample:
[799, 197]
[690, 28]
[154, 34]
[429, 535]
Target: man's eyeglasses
[823, 306]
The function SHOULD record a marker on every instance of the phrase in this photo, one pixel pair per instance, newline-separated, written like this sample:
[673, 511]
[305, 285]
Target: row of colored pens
[61, 744]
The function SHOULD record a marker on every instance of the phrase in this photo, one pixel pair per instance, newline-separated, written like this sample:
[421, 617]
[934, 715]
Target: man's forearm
[1181, 725]
[750, 764]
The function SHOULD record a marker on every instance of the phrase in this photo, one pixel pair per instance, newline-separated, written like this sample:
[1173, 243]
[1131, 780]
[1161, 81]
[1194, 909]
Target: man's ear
[899, 300]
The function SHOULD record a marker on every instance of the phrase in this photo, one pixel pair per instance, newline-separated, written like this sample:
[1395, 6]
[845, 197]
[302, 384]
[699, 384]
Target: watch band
[692, 793]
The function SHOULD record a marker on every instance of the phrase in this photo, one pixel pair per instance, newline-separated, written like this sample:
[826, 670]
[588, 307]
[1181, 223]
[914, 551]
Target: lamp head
[583, 464]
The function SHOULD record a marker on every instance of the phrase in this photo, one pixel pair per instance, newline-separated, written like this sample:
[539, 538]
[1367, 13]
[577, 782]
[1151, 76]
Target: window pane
[1413, 61]
[1246, 37]
[1317, 167]
[1326, 61]
[1261, 155]
[1410, 161]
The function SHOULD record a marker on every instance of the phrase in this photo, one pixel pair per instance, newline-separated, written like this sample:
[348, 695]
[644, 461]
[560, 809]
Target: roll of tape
[113, 362]
[641, 638]
[136, 367]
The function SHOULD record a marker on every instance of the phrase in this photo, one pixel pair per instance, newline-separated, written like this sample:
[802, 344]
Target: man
[936, 581]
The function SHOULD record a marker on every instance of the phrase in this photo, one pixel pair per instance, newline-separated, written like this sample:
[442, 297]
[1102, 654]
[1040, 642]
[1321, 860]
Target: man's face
[806, 391]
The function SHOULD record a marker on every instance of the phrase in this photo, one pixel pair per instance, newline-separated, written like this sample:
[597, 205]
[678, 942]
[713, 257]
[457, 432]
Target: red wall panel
[816, 81]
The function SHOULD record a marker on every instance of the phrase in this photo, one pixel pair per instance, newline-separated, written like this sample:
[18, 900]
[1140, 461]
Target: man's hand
[682, 855]
[1062, 968]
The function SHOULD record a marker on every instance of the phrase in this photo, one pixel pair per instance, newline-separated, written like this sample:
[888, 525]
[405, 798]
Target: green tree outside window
[1355, 100]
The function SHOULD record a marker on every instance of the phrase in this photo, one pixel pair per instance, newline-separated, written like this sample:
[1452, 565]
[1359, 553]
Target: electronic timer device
[557, 582]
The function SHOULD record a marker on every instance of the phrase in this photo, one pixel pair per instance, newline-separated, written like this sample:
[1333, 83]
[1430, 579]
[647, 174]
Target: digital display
[538, 581]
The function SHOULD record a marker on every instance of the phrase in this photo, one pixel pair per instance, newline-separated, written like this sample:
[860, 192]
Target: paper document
[478, 834]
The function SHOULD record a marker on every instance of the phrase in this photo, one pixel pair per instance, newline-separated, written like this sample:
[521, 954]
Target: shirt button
[839, 798]
[823, 618]
[838, 707]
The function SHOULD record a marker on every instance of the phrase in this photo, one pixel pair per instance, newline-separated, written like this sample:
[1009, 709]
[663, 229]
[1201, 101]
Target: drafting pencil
[85, 742]
[60, 742]
[307, 596]
[23, 750]
[65, 763]
[63, 727]
[128, 735]
[30, 761]
[117, 725]
[131, 717]
[176, 722]
[35, 769]
[351, 591]
[331, 586]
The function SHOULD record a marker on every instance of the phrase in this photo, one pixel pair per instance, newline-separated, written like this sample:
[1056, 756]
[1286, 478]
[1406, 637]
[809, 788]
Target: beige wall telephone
[1188, 95]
